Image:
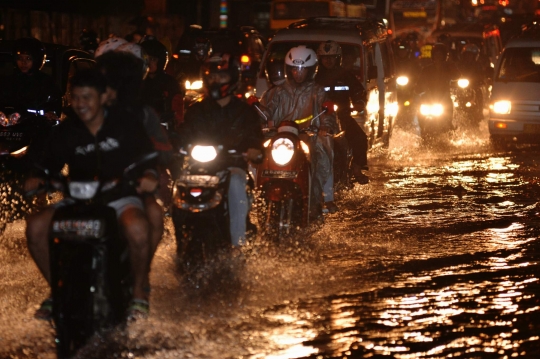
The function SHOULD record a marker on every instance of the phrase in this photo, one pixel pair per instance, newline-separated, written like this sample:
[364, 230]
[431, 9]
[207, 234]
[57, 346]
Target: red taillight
[245, 59]
[175, 56]
[500, 125]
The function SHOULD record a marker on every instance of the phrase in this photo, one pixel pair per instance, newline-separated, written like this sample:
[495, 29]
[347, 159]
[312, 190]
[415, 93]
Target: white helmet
[110, 44]
[138, 51]
[303, 59]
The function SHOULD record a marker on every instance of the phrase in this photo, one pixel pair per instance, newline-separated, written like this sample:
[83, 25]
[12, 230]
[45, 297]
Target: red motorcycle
[285, 177]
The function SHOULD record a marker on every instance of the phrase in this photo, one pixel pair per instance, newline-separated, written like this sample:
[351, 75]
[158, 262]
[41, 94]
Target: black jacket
[342, 87]
[235, 126]
[119, 143]
[159, 91]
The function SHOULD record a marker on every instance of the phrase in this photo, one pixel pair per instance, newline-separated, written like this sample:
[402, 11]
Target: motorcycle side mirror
[328, 107]
[372, 72]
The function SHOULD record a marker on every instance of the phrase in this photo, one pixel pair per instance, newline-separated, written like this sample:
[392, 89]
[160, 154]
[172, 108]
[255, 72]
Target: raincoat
[300, 103]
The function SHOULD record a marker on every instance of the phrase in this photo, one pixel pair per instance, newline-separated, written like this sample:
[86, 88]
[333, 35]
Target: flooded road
[438, 256]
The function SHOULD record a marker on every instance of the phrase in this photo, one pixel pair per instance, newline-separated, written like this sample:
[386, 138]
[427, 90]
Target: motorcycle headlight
[83, 190]
[203, 153]
[502, 107]
[282, 151]
[20, 152]
[431, 110]
[10, 120]
[463, 83]
[402, 80]
[195, 85]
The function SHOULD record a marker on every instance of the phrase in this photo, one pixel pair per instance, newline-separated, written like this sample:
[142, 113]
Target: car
[515, 101]
[61, 62]
[367, 53]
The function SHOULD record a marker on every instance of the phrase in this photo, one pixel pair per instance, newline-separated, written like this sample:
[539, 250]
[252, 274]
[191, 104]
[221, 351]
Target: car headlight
[195, 85]
[502, 107]
[402, 80]
[431, 110]
[463, 83]
[282, 151]
[10, 120]
[203, 153]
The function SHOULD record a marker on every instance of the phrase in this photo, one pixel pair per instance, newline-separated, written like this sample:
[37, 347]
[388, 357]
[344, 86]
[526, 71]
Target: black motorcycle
[200, 210]
[468, 101]
[90, 268]
[435, 115]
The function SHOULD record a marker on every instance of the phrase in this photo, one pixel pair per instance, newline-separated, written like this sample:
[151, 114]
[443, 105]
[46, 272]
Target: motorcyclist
[96, 143]
[160, 90]
[29, 87]
[450, 43]
[88, 40]
[344, 89]
[406, 62]
[299, 99]
[199, 53]
[473, 71]
[224, 119]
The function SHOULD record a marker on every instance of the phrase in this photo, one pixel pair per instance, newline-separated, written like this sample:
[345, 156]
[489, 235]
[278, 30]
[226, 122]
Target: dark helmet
[470, 52]
[275, 71]
[301, 57]
[30, 46]
[88, 40]
[439, 48]
[153, 47]
[402, 48]
[202, 48]
[224, 63]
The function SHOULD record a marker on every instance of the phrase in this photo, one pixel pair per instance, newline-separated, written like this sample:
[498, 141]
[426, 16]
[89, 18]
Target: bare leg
[37, 233]
[136, 230]
[154, 213]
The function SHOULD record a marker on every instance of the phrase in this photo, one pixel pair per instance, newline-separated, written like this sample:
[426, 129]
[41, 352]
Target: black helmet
[202, 48]
[402, 48]
[88, 40]
[30, 46]
[224, 63]
[275, 71]
[155, 48]
[439, 48]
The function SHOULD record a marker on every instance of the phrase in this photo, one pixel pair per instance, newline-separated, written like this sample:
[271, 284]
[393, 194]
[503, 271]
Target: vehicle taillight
[245, 60]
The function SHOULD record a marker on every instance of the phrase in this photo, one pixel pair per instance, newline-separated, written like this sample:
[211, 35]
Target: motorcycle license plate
[279, 174]
[531, 128]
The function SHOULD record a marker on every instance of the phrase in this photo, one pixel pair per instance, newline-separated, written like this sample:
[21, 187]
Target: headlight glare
[463, 83]
[282, 151]
[195, 85]
[204, 153]
[502, 107]
[402, 80]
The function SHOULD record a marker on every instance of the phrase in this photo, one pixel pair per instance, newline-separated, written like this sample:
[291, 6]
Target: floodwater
[438, 256]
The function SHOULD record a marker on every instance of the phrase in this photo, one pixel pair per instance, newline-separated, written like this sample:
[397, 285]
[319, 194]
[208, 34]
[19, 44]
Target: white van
[515, 96]
[367, 53]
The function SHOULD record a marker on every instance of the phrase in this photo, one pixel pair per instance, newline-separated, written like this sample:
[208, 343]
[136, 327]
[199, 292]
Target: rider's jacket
[342, 87]
[435, 78]
[118, 143]
[159, 91]
[292, 102]
[235, 126]
[31, 91]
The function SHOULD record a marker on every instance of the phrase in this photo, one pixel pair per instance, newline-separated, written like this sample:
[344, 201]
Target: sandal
[45, 310]
[137, 309]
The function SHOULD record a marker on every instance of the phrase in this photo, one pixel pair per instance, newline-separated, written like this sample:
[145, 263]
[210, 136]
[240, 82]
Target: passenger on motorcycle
[299, 99]
[160, 90]
[95, 142]
[29, 87]
[344, 89]
[124, 72]
[223, 118]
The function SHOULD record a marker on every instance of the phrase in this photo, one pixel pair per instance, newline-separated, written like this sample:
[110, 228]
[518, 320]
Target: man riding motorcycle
[223, 118]
[97, 143]
[473, 71]
[299, 99]
[344, 89]
[29, 87]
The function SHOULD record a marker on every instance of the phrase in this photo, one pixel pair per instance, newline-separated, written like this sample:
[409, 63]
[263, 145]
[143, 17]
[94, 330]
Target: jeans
[238, 206]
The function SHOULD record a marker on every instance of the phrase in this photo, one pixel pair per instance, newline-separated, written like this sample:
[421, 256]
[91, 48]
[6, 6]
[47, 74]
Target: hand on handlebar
[147, 183]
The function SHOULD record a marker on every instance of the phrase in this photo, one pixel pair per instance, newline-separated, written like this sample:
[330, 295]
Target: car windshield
[351, 58]
[520, 65]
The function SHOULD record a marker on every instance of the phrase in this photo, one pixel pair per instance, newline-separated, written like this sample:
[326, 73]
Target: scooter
[90, 268]
[435, 115]
[200, 211]
[468, 101]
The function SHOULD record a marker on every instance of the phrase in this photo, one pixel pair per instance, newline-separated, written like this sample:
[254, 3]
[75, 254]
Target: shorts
[119, 205]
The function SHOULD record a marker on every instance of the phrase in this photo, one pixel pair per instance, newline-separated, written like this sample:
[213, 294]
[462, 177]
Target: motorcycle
[468, 101]
[435, 115]
[89, 260]
[200, 211]
[285, 177]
